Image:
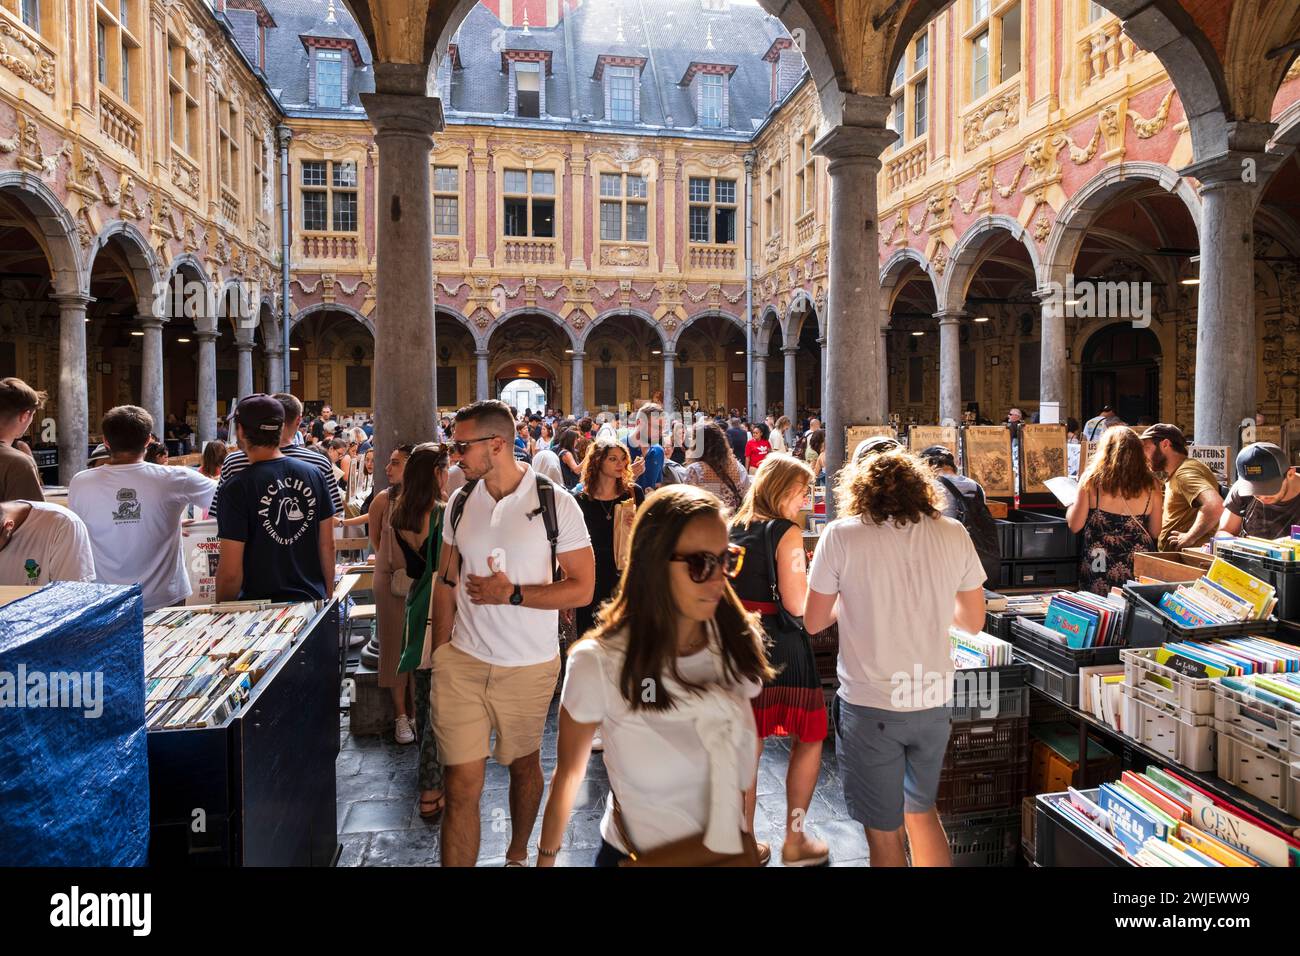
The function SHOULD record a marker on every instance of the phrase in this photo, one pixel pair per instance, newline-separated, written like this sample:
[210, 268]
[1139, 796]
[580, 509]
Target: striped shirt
[237, 461]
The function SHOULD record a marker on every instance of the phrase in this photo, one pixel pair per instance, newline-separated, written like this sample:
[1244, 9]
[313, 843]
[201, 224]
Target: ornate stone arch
[894, 268]
[967, 255]
[347, 310]
[140, 258]
[735, 320]
[484, 337]
[644, 316]
[56, 230]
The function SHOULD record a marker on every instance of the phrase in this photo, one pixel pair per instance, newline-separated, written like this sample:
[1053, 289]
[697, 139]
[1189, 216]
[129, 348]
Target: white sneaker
[403, 730]
[597, 745]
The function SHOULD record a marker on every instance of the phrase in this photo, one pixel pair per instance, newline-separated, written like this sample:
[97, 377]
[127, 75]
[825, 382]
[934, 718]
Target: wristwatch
[517, 596]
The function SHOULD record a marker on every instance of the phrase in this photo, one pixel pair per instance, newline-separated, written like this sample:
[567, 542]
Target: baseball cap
[939, 455]
[874, 445]
[100, 453]
[260, 412]
[1108, 408]
[1162, 430]
[331, 426]
[1261, 470]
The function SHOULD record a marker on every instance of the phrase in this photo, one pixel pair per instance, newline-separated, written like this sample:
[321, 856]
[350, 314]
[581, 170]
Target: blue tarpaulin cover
[74, 766]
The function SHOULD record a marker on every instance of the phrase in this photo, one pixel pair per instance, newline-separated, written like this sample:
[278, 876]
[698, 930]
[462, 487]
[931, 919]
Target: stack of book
[1225, 595]
[1279, 549]
[1158, 818]
[1099, 693]
[201, 664]
[1280, 690]
[978, 650]
[1230, 657]
[1080, 619]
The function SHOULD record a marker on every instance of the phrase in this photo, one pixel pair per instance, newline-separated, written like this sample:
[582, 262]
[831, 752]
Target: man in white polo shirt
[496, 626]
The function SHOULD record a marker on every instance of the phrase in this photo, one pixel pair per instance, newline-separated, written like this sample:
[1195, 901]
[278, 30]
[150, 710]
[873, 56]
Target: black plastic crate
[1027, 535]
[1042, 574]
[1056, 683]
[1283, 575]
[1148, 626]
[1059, 842]
[998, 623]
[1068, 659]
[984, 839]
[1007, 694]
[981, 789]
[980, 743]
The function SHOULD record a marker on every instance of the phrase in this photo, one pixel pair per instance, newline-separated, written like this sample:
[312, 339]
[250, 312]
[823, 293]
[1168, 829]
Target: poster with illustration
[988, 459]
[1043, 456]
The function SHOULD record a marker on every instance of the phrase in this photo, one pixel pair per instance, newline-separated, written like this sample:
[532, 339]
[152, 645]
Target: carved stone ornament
[939, 262]
[624, 256]
[998, 114]
[1146, 128]
[185, 176]
[25, 58]
[446, 251]
[1042, 228]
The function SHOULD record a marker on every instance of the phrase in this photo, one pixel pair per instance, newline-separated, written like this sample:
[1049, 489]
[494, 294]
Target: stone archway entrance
[518, 384]
[1121, 367]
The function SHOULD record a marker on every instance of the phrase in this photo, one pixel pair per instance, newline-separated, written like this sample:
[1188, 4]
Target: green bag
[419, 602]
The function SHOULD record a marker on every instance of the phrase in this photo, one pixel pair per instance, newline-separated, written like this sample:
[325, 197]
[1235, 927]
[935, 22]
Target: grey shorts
[889, 760]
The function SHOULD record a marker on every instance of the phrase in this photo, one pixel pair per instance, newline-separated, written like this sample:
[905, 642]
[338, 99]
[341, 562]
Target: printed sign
[987, 459]
[1217, 457]
[201, 548]
[1043, 452]
[858, 433]
[921, 437]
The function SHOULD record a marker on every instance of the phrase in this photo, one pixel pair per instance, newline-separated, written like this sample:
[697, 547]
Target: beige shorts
[472, 698]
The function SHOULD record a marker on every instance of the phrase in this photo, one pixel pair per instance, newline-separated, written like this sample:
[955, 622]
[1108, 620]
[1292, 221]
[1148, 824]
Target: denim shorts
[890, 761]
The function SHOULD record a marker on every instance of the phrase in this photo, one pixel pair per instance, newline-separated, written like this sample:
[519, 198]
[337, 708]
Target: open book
[1065, 489]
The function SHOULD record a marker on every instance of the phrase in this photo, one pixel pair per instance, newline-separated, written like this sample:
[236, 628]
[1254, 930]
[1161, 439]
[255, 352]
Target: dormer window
[329, 79]
[330, 69]
[708, 83]
[528, 90]
[711, 95]
[621, 77]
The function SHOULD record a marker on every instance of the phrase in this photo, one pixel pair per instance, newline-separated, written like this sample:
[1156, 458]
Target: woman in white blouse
[667, 677]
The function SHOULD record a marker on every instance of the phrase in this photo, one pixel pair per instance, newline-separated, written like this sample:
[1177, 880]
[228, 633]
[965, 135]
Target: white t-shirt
[511, 531]
[897, 590]
[52, 544]
[657, 764]
[133, 513]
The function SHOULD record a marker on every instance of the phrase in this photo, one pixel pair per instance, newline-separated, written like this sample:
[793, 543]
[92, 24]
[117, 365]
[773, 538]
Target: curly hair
[1119, 466]
[599, 450]
[892, 486]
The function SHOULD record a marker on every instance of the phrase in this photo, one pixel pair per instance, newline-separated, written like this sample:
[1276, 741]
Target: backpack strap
[546, 502]
[457, 510]
[957, 497]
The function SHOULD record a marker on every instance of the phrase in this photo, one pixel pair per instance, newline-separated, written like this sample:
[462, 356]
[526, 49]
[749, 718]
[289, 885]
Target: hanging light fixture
[1191, 273]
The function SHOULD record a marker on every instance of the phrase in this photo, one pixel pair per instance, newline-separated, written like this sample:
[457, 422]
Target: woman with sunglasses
[774, 583]
[667, 678]
[415, 525]
[391, 588]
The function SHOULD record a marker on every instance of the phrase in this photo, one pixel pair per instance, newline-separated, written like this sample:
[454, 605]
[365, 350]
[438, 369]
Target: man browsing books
[1265, 501]
[1192, 500]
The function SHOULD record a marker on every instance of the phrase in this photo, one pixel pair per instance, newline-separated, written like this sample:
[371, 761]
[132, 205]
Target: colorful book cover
[1241, 583]
[1076, 626]
[1240, 830]
[1181, 613]
[1133, 825]
[1213, 847]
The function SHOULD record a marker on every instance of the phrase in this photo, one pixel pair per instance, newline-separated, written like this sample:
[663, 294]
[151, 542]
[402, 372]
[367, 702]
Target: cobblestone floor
[380, 825]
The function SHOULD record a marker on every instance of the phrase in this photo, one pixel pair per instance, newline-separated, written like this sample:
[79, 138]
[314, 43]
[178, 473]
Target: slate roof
[670, 34]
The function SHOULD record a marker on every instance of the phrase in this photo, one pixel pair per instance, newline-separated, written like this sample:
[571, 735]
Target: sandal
[431, 808]
[523, 862]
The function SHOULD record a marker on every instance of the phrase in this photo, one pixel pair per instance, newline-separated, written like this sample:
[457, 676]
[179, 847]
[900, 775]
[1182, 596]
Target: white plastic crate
[1185, 738]
[1257, 722]
[1260, 773]
[1191, 694]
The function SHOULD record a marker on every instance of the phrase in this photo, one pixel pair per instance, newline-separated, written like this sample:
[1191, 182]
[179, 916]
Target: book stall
[218, 739]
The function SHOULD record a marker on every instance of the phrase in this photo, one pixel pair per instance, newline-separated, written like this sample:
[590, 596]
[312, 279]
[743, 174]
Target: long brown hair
[600, 450]
[643, 605]
[890, 486]
[1119, 466]
[776, 477]
[421, 487]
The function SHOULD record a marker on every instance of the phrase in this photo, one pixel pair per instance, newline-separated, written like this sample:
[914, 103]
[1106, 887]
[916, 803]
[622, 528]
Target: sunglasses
[460, 447]
[702, 564]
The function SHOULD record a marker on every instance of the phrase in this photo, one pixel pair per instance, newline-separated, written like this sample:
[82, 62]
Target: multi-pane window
[183, 96]
[446, 201]
[528, 89]
[805, 177]
[1095, 11]
[711, 93]
[979, 65]
[228, 144]
[979, 10]
[260, 182]
[30, 11]
[329, 196]
[921, 52]
[117, 47]
[329, 79]
[994, 37]
[1009, 61]
[898, 120]
[772, 204]
[623, 207]
[622, 93]
[920, 108]
[529, 203]
[712, 209]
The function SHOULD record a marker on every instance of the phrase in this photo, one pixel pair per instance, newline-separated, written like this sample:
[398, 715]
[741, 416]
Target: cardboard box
[1170, 566]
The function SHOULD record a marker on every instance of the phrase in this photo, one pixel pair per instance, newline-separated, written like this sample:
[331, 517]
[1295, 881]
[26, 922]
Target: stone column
[670, 384]
[821, 378]
[405, 354]
[151, 372]
[759, 411]
[578, 400]
[244, 384]
[481, 392]
[884, 371]
[275, 370]
[790, 400]
[1225, 309]
[1054, 375]
[949, 365]
[73, 402]
[207, 430]
[851, 386]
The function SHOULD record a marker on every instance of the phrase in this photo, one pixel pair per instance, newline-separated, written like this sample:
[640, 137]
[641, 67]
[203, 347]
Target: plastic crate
[826, 668]
[1049, 771]
[973, 688]
[1182, 737]
[984, 839]
[1256, 721]
[1260, 773]
[1028, 828]
[976, 789]
[998, 623]
[1027, 535]
[1058, 841]
[1068, 659]
[1192, 694]
[1043, 574]
[1053, 681]
[1147, 625]
[1283, 575]
[827, 641]
[984, 742]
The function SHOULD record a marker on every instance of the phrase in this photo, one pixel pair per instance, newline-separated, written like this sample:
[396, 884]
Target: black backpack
[545, 507]
[974, 514]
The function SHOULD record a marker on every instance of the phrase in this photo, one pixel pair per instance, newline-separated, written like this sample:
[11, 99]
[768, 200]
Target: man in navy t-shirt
[277, 542]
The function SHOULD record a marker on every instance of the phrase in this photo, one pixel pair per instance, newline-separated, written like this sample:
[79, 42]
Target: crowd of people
[655, 566]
